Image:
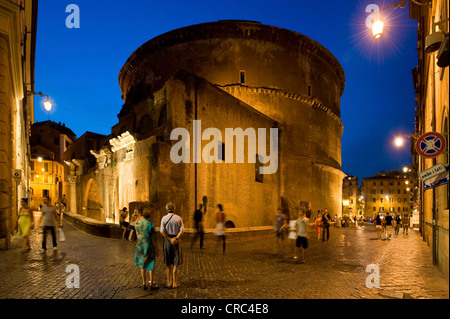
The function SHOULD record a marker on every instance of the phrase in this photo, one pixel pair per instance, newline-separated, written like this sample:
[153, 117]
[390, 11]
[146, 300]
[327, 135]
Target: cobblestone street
[250, 269]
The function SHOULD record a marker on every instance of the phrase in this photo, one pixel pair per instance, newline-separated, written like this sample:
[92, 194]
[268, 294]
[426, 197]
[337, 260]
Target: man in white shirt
[172, 228]
[51, 221]
[302, 239]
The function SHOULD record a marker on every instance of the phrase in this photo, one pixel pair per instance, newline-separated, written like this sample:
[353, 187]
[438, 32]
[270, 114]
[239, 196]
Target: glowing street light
[377, 28]
[399, 141]
[48, 105]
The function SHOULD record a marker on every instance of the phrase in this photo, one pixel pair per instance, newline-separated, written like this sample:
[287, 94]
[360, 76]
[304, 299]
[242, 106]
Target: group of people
[389, 223]
[51, 218]
[296, 230]
[172, 228]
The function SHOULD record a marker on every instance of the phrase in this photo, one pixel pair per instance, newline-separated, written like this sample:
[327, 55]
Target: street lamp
[47, 103]
[377, 26]
[399, 141]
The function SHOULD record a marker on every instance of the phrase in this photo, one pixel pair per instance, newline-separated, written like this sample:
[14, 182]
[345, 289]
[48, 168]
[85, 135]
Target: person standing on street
[326, 218]
[50, 216]
[64, 202]
[132, 225]
[318, 223]
[302, 239]
[198, 225]
[378, 225]
[405, 224]
[398, 222]
[123, 221]
[280, 225]
[220, 227]
[145, 249]
[25, 224]
[388, 222]
[292, 236]
[171, 229]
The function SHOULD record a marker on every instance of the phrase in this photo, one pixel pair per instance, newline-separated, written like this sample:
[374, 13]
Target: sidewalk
[250, 269]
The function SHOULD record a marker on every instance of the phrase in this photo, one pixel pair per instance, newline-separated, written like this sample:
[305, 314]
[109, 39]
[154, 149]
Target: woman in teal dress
[25, 224]
[145, 249]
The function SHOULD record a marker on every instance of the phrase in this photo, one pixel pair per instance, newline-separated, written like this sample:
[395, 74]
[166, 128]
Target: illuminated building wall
[17, 49]
[46, 179]
[350, 196]
[431, 83]
[251, 74]
[392, 192]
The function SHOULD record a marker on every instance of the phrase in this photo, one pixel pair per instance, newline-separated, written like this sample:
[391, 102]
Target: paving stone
[250, 270]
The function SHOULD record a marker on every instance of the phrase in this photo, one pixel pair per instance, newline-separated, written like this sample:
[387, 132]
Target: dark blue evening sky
[79, 68]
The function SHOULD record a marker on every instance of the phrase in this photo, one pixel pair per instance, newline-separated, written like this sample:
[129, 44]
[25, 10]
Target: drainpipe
[433, 123]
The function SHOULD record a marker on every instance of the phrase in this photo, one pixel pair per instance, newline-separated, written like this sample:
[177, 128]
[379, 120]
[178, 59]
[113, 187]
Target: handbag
[62, 237]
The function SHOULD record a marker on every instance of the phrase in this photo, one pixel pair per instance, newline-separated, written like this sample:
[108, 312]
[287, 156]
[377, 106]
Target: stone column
[72, 187]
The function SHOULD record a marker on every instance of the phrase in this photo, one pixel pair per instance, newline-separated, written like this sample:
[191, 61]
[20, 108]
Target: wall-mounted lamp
[47, 103]
[434, 40]
[377, 26]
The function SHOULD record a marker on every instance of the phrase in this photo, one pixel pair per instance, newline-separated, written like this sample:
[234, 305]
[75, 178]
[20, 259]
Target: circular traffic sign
[430, 144]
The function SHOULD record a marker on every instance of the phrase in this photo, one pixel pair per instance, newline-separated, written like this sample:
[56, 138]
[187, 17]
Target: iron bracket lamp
[47, 103]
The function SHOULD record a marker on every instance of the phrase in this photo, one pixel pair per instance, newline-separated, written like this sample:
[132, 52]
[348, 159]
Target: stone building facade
[393, 191]
[350, 198]
[17, 51]
[48, 176]
[431, 86]
[225, 74]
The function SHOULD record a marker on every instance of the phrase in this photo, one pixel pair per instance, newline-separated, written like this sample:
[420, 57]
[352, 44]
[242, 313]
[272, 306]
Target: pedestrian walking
[280, 225]
[292, 236]
[145, 252]
[132, 225]
[123, 221]
[302, 239]
[171, 229]
[25, 224]
[388, 222]
[378, 225]
[405, 224]
[220, 227]
[338, 222]
[398, 223]
[198, 225]
[64, 202]
[326, 224]
[318, 224]
[50, 216]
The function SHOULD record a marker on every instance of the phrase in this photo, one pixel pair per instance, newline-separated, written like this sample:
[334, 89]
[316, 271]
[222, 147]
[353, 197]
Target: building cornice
[314, 103]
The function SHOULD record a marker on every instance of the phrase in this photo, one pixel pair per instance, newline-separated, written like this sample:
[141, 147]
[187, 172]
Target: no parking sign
[430, 144]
